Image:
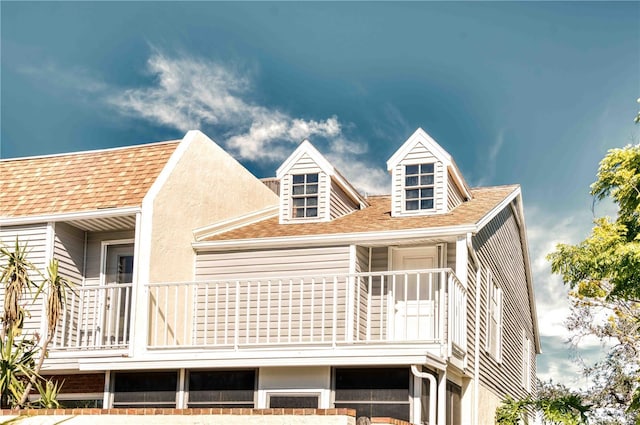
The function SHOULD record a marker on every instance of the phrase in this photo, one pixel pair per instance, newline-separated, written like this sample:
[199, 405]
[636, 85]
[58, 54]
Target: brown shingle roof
[80, 182]
[377, 217]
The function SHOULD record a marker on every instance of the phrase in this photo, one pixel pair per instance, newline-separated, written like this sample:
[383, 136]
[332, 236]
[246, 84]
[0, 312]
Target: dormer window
[305, 195]
[419, 187]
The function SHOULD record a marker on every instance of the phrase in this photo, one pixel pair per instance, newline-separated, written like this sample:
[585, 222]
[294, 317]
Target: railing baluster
[335, 311]
[268, 311]
[248, 315]
[237, 316]
[290, 308]
[301, 314]
[313, 307]
[258, 301]
[323, 329]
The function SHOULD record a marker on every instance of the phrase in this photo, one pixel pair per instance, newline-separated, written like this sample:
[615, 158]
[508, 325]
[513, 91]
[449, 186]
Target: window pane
[298, 212]
[426, 204]
[411, 181]
[312, 188]
[411, 169]
[426, 180]
[157, 389]
[312, 178]
[298, 190]
[312, 201]
[298, 178]
[312, 212]
[412, 205]
[426, 168]
[298, 202]
[426, 193]
[412, 194]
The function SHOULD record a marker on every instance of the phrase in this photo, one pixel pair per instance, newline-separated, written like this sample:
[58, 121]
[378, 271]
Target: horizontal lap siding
[68, 249]
[340, 203]
[270, 265]
[499, 248]
[35, 237]
[454, 196]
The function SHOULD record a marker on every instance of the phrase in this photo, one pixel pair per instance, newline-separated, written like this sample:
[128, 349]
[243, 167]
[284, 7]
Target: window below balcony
[374, 391]
[145, 389]
[221, 388]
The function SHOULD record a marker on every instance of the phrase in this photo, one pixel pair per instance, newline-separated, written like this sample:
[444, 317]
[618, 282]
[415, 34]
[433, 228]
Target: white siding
[229, 268]
[419, 155]
[454, 196]
[499, 248]
[340, 203]
[35, 236]
[272, 263]
[68, 249]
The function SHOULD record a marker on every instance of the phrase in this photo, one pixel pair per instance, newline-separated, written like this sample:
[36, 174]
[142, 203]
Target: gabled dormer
[312, 190]
[425, 180]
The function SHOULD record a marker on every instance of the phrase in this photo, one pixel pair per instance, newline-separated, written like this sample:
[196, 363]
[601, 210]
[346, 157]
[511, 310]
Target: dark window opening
[374, 391]
[419, 187]
[293, 401]
[305, 195]
[222, 388]
[149, 389]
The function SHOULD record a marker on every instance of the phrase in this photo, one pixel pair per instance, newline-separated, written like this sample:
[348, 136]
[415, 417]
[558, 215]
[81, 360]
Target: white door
[118, 272]
[414, 294]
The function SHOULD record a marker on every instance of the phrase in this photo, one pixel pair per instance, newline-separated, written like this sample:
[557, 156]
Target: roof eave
[341, 238]
[78, 215]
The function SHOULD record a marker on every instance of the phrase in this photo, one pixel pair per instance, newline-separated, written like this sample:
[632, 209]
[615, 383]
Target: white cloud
[191, 93]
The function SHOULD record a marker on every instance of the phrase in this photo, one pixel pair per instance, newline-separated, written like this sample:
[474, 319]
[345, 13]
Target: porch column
[442, 397]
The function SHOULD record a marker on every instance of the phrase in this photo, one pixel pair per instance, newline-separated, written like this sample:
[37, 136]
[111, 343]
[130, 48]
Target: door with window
[414, 293]
[118, 279]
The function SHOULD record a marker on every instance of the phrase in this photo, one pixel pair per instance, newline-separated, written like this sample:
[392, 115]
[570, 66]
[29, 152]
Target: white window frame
[526, 361]
[494, 318]
[418, 187]
[305, 196]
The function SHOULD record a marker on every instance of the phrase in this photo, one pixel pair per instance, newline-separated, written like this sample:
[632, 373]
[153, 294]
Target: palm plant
[17, 359]
[56, 287]
[15, 274]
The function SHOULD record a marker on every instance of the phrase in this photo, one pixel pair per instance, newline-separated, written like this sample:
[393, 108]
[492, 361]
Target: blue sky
[528, 93]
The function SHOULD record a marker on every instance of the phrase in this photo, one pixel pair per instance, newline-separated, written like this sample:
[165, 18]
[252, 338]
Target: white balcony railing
[95, 317]
[418, 306]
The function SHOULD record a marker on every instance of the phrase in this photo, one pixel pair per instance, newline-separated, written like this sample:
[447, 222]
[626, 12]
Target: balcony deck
[417, 307]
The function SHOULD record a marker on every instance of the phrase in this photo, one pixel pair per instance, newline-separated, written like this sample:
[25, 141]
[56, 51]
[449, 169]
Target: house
[198, 286]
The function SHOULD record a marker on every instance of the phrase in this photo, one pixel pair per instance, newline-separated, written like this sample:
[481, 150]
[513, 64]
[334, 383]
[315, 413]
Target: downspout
[432, 391]
[476, 346]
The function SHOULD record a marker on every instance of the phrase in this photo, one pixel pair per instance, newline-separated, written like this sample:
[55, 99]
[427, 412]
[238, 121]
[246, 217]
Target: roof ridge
[91, 151]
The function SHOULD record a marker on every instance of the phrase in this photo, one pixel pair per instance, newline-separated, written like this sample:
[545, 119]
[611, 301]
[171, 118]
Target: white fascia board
[495, 210]
[224, 226]
[349, 190]
[459, 180]
[338, 238]
[406, 147]
[101, 213]
[298, 356]
[519, 212]
[309, 149]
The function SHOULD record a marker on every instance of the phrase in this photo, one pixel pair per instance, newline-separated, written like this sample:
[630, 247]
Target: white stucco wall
[206, 185]
[488, 402]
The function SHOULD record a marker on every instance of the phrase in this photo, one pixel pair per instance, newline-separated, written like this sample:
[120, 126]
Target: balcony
[425, 308]
[420, 307]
